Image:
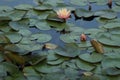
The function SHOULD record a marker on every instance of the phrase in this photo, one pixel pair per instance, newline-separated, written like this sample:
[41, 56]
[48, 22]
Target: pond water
[67, 53]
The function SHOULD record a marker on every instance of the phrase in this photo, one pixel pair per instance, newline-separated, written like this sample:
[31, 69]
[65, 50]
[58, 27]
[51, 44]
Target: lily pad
[24, 7]
[30, 47]
[42, 25]
[13, 37]
[92, 58]
[70, 50]
[111, 60]
[17, 15]
[109, 14]
[79, 2]
[83, 13]
[44, 68]
[5, 8]
[108, 39]
[41, 37]
[69, 38]
[84, 65]
[44, 7]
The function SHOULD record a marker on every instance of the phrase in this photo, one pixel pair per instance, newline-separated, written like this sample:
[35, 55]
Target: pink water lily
[83, 37]
[63, 13]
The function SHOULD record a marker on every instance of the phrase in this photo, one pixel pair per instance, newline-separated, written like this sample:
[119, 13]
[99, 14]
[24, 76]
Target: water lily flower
[63, 13]
[83, 37]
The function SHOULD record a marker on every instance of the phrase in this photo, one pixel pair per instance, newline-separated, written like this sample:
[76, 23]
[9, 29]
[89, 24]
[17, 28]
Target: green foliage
[26, 29]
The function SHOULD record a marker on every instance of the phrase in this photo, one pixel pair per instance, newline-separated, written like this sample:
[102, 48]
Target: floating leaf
[42, 25]
[41, 37]
[44, 7]
[79, 2]
[56, 62]
[8, 67]
[47, 68]
[71, 73]
[37, 14]
[109, 14]
[30, 47]
[13, 37]
[24, 7]
[70, 50]
[112, 25]
[83, 13]
[111, 62]
[69, 38]
[84, 65]
[92, 58]
[108, 39]
[17, 15]
[52, 55]
[112, 71]
[5, 8]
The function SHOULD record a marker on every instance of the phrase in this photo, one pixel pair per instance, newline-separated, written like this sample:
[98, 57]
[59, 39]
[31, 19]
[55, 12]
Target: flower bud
[83, 37]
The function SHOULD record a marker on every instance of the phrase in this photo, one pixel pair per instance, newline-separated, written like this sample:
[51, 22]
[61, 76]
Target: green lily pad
[92, 58]
[109, 14]
[111, 60]
[58, 76]
[84, 44]
[25, 32]
[17, 15]
[37, 14]
[24, 7]
[116, 8]
[16, 25]
[83, 13]
[9, 67]
[112, 25]
[43, 7]
[30, 47]
[108, 39]
[14, 48]
[42, 25]
[53, 3]
[70, 50]
[51, 56]
[79, 2]
[5, 8]
[69, 38]
[56, 62]
[84, 65]
[112, 71]
[30, 71]
[71, 73]
[41, 37]
[13, 37]
[44, 68]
